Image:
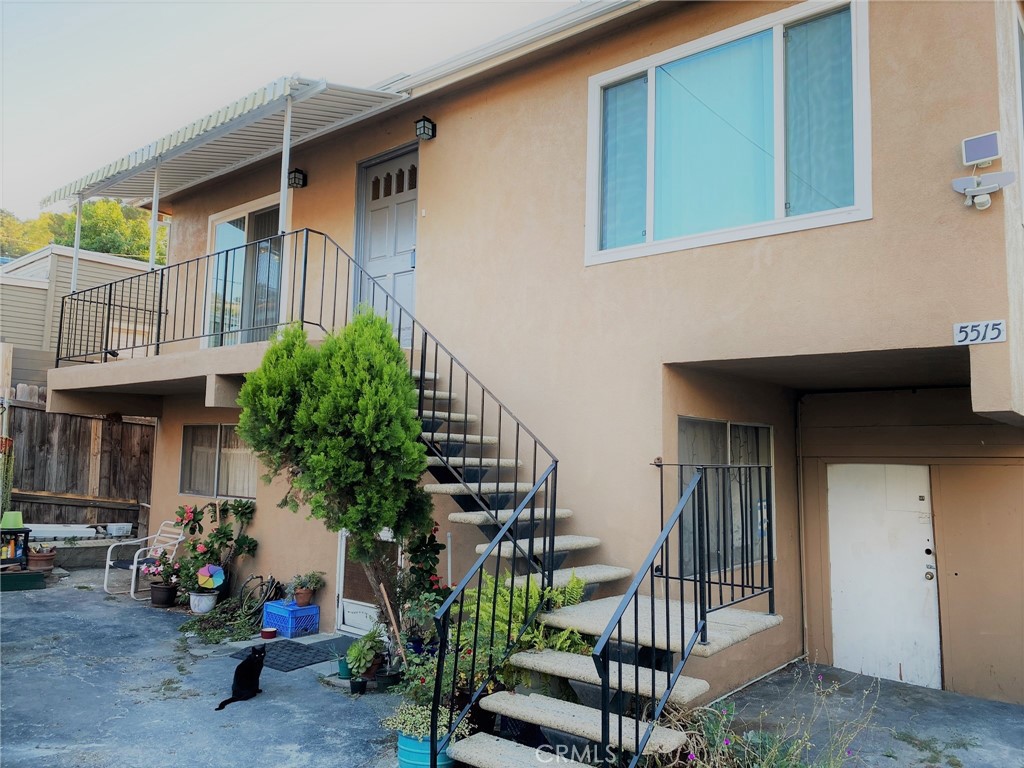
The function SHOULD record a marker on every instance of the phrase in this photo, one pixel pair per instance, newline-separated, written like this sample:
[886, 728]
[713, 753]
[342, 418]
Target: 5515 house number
[984, 332]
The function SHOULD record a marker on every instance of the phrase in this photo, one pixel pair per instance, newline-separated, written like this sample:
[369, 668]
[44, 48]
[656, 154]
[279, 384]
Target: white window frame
[239, 211]
[1018, 41]
[216, 466]
[861, 210]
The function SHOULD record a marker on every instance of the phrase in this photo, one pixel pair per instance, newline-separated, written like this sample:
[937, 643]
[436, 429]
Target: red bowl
[268, 633]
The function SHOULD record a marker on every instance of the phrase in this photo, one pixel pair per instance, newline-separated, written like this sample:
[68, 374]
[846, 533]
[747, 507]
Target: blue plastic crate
[290, 620]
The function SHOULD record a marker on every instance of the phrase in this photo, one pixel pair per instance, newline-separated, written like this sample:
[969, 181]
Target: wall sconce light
[296, 178]
[426, 129]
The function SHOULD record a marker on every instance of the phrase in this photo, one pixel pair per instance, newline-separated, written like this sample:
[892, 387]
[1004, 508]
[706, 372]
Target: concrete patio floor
[89, 679]
[890, 724]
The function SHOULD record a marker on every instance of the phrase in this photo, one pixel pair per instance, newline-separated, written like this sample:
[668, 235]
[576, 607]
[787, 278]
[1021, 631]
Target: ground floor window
[737, 490]
[215, 462]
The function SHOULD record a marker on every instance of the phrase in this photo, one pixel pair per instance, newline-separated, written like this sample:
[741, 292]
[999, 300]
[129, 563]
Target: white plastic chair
[166, 538]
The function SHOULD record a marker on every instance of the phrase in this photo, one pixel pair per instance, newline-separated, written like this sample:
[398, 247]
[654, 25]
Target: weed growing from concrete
[716, 740]
[935, 754]
[225, 622]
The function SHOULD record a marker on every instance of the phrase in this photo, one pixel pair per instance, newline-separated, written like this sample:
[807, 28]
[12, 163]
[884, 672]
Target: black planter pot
[163, 595]
[357, 685]
[386, 679]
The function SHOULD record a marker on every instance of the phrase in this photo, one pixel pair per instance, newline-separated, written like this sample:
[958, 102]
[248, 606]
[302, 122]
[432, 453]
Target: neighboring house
[715, 233]
[31, 289]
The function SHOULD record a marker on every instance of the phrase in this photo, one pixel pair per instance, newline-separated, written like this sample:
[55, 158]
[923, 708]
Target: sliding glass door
[245, 284]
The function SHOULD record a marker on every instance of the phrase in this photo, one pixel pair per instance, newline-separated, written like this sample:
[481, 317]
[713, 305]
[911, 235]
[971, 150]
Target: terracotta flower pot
[303, 596]
[163, 595]
[41, 561]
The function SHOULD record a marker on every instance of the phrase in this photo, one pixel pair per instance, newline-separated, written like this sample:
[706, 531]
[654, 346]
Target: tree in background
[108, 226]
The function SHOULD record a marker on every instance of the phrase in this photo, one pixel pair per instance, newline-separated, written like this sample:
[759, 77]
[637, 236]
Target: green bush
[338, 421]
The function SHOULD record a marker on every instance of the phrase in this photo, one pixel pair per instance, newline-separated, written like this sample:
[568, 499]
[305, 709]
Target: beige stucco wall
[579, 353]
[289, 543]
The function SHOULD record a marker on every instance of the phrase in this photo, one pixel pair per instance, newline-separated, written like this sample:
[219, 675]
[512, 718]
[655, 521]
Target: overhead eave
[523, 42]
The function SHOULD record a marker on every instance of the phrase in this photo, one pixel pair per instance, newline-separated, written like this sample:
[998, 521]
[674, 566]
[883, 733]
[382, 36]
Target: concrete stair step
[626, 677]
[449, 416]
[431, 396]
[567, 543]
[419, 375]
[726, 627]
[580, 721]
[485, 751]
[472, 462]
[460, 489]
[591, 574]
[503, 515]
[455, 437]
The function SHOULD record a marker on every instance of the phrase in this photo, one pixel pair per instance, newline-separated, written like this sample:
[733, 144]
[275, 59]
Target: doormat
[288, 655]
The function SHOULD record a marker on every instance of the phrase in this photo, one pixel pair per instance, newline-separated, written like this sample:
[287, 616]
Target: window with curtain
[717, 153]
[703, 442]
[216, 463]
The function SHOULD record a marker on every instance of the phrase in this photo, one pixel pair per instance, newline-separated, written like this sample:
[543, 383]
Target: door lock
[929, 575]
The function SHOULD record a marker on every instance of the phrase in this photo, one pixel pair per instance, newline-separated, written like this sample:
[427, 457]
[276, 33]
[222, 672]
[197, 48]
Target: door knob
[929, 576]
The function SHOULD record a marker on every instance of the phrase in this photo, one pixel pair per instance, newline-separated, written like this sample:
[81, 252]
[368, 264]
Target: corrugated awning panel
[244, 132]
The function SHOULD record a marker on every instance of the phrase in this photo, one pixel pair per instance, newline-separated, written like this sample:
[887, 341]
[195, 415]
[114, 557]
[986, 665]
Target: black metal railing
[243, 295]
[715, 549]
[490, 609]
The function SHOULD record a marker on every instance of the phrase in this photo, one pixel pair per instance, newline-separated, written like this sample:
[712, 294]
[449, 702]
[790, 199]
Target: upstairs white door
[885, 607]
[388, 249]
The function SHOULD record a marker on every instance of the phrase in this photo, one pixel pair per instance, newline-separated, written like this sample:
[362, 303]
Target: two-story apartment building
[713, 233]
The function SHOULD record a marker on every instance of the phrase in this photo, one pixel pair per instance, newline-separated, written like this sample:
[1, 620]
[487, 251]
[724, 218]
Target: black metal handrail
[244, 294]
[737, 541]
[459, 629]
[642, 652]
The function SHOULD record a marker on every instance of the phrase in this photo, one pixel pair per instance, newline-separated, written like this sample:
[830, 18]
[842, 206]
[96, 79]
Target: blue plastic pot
[415, 753]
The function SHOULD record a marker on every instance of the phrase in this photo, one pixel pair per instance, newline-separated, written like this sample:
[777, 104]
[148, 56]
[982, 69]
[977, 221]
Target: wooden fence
[79, 469]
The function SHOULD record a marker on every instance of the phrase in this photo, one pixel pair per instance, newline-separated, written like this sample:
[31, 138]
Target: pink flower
[200, 548]
[691, 756]
[177, 519]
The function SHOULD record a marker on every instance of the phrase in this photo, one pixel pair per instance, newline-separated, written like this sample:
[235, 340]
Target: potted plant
[412, 721]
[163, 593]
[202, 598]
[388, 674]
[41, 557]
[302, 587]
[220, 546]
[344, 671]
[364, 656]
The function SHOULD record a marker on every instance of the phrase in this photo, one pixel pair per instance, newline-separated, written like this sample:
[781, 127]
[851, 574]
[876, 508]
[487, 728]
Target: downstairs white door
[885, 608]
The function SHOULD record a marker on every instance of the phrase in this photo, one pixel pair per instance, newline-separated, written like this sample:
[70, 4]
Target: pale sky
[85, 82]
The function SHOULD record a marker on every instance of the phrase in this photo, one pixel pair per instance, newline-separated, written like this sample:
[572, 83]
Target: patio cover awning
[244, 132]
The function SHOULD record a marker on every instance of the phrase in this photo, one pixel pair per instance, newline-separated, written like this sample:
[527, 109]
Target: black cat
[246, 682]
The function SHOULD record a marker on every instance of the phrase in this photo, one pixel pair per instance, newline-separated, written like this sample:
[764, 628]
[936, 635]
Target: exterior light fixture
[426, 129]
[296, 178]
